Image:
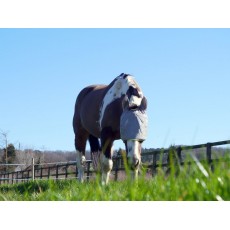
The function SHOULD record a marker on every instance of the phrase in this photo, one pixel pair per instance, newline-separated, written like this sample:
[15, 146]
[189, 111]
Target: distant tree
[8, 157]
[9, 154]
[1, 155]
[4, 143]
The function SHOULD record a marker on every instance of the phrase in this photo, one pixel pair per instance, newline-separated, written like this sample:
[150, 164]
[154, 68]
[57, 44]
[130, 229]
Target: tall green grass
[189, 185]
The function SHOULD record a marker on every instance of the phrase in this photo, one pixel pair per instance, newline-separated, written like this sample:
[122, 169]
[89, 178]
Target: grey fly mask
[133, 125]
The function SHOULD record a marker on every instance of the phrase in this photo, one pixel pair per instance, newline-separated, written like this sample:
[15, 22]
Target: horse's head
[133, 130]
[134, 121]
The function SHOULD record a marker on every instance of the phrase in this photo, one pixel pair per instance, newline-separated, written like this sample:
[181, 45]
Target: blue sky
[184, 73]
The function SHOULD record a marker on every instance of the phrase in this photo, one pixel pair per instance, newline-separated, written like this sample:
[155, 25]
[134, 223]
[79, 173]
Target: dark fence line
[68, 170]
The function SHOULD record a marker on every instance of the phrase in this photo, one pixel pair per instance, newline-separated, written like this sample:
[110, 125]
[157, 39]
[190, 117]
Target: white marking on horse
[134, 157]
[133, 151]
[134, 100]
[80, 166]
[119, 88]
[106, 166]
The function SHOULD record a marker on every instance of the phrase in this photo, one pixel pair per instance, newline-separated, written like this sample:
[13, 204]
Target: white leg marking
[81, 161]
[106, 167]
[134, 157]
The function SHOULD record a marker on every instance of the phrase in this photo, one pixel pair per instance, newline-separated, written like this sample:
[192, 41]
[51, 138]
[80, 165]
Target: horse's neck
[109, 86]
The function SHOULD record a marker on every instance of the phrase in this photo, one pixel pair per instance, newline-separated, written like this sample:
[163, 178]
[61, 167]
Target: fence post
[116, 169]
[48, 172]
[56, 171]
[154, 168]
[41, 172]
[179, 150]
[28, 175]
[8, 177]
[209, 155]
[32, 169]
[88, 169]
[17, 177]
[66, 171]
[12, 177]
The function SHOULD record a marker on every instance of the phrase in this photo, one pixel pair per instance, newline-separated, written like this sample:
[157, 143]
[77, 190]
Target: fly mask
[133, 125]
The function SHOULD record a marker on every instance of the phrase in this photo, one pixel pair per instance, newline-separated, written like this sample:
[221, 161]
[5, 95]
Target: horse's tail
[81, 95]
[95, 147]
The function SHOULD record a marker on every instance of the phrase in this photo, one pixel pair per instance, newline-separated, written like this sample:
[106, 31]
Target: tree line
[21, 159]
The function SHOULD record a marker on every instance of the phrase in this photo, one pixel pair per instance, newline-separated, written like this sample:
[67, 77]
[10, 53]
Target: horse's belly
[92, 127]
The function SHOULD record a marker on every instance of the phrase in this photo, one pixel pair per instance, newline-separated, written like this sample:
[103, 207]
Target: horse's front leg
[133, 148]
[106, 167]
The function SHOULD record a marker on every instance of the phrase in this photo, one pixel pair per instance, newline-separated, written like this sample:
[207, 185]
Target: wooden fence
[68, 170]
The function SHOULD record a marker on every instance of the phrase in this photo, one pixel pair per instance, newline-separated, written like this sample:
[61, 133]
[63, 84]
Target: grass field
[189, 185]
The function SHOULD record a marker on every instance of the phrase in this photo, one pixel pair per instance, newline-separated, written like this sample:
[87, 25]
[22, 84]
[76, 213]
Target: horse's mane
[122, 75]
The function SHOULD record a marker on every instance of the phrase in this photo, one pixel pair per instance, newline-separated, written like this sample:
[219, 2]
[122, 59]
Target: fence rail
[68, 170]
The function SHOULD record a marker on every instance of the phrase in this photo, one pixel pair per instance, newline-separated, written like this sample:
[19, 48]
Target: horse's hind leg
[80, 145]
[106, 157]
[95, 148]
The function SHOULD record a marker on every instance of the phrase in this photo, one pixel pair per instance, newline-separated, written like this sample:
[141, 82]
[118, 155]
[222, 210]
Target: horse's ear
[143, 105]
[125, 103]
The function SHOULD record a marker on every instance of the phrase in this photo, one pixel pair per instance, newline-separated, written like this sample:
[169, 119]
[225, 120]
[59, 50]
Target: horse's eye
[133, 91]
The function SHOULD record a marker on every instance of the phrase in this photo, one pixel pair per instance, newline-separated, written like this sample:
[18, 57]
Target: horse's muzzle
[133, 163]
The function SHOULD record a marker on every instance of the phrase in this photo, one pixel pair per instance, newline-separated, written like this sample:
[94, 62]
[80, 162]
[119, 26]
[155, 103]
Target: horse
[98, 118]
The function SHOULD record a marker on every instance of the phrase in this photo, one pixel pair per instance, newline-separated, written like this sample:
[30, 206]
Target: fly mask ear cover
[133, 125]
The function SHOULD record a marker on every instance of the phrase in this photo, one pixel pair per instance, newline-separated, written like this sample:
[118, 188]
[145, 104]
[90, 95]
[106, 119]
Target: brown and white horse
[97, 115]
